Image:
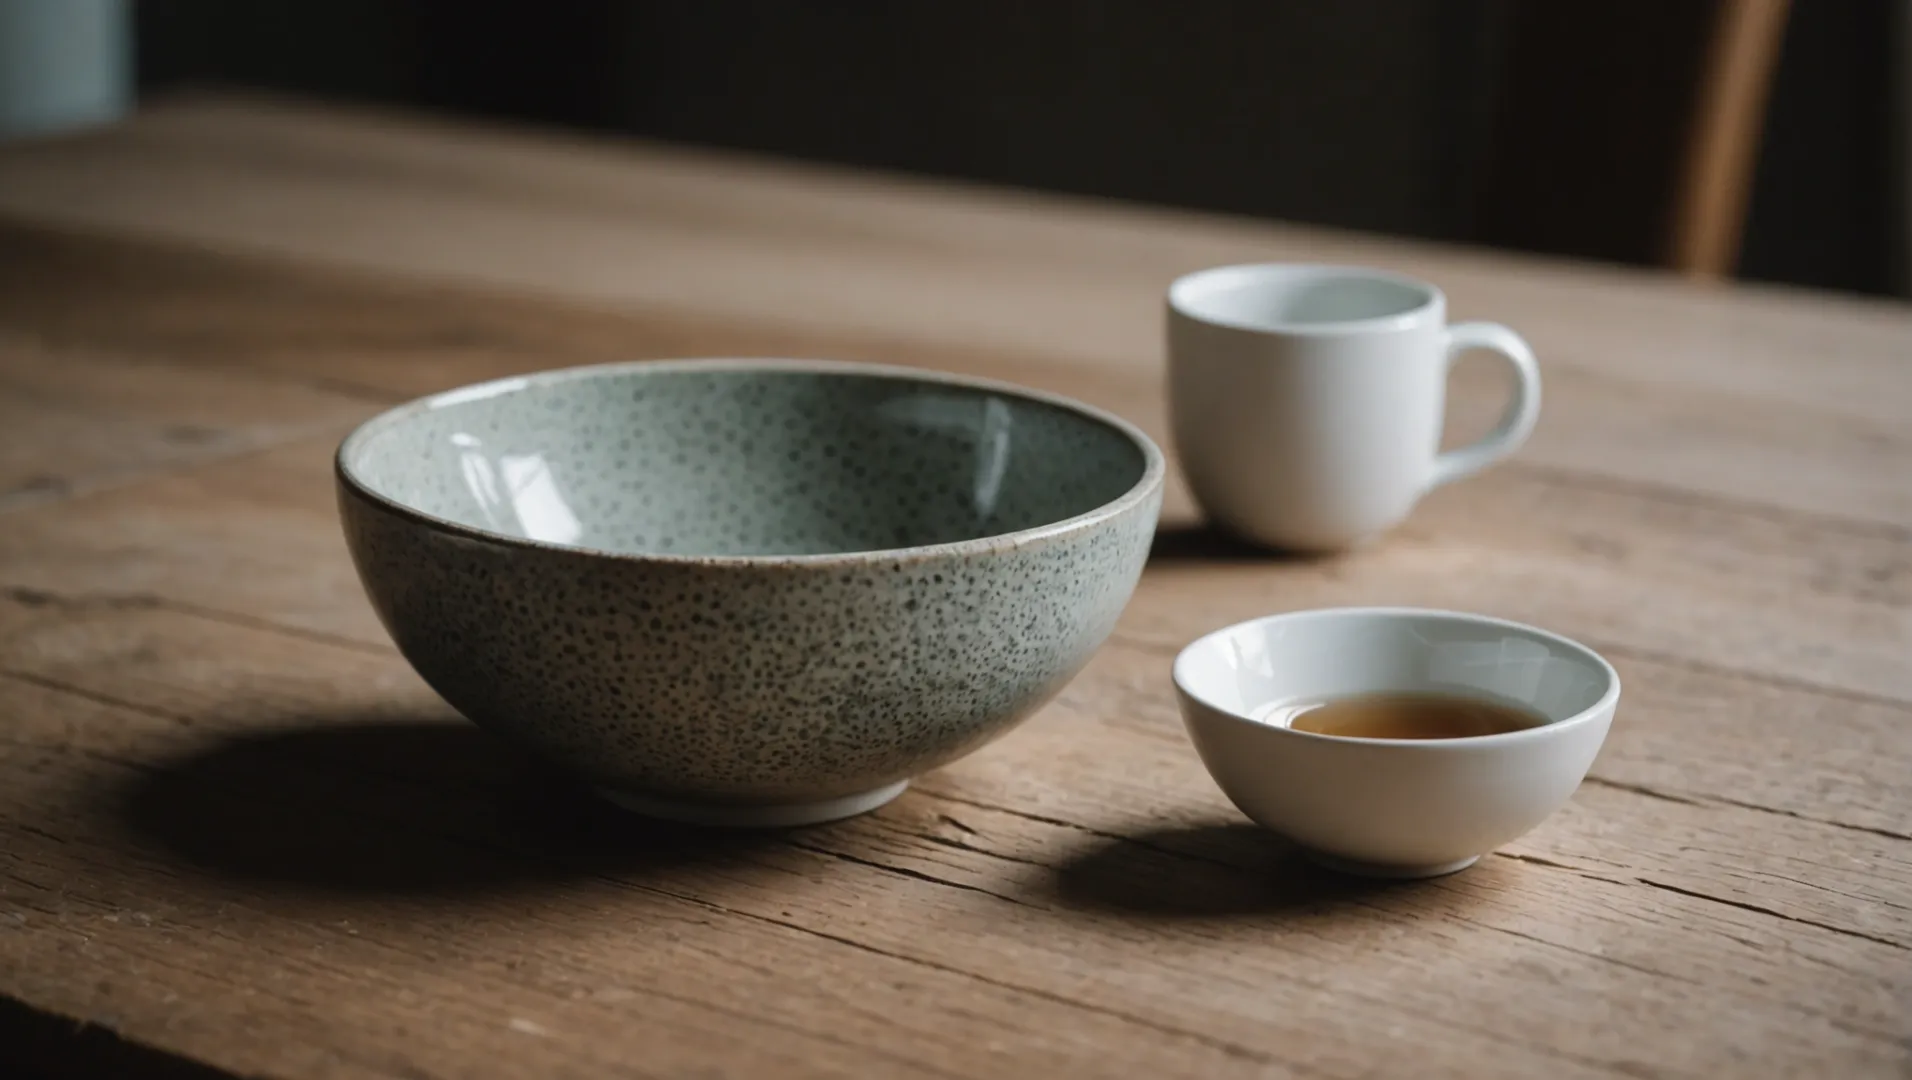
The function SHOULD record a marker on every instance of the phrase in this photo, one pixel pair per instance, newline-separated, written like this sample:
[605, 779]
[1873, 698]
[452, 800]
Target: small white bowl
[1394, 807]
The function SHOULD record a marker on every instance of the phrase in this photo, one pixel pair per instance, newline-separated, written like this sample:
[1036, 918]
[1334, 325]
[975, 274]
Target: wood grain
[56, 402]
[1560, 543]
[315, 744]
[239, 831]
[904, 266]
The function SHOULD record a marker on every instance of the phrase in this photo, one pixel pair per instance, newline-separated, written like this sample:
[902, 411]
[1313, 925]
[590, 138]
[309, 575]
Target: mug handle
[1516, 422]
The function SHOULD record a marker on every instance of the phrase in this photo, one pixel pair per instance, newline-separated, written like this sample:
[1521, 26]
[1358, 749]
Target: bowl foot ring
[752, 815]
[1389, 870]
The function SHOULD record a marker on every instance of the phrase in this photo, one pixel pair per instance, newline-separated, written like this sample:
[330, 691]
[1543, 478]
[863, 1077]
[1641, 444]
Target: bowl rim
[1154, 465]
[1607, 701]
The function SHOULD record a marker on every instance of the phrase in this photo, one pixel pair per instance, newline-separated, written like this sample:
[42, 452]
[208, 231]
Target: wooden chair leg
[1715, 179]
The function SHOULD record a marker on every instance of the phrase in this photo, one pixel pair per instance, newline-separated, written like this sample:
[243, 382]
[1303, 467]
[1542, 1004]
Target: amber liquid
[1405, 716]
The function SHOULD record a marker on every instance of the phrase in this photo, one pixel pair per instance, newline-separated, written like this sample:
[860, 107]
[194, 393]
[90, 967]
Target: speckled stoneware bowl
[748, 592]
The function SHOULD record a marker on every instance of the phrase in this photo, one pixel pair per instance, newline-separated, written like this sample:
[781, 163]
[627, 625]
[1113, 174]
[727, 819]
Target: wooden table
[240, 836]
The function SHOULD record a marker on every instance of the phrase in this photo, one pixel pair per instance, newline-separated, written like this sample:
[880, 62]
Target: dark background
[1401, 116]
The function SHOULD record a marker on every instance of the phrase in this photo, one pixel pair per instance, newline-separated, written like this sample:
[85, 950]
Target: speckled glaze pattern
[725, 461]
[672, 600]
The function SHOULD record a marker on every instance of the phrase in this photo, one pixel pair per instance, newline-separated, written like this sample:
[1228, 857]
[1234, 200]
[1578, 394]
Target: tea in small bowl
[1394, 741]
[1403, 716]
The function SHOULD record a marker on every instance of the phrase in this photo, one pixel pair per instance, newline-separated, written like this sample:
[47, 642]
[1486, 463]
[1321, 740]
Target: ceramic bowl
[1389, 807]
[748, 592]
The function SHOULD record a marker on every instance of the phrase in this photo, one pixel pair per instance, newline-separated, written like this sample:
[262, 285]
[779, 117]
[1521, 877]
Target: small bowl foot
[1389, 870]
[752, 815]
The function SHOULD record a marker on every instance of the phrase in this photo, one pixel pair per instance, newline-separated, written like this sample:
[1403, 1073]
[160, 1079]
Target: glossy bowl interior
[1401, 807]
[1247, 668]
[715, 459]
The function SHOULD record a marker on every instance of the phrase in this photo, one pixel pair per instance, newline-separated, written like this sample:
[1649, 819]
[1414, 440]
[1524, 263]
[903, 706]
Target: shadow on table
[349, 805]
[1192, 542]
[1205, 871]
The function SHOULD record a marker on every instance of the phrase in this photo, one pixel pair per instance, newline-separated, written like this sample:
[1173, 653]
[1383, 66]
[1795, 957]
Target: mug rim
[1184, 296]
[1608, 699]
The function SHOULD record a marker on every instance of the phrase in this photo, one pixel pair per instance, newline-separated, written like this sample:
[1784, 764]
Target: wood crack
[1232, 1049]
[29, 597]
[814, 1032]
[1224, 1046]
[1621, 1067]
[1564, 474]
[1059, 822]
[1079, 827]
[645, 991]
[1817, 887]
[1642, 789]
[910, 873]
[1764, 678]
[1174, 909]
[955, 824]
[1763, 910]
[1024, 814]
[1540, 861]
[1714, 801]
[958, 845]
[35, 830]
[46, 489]
[1743, 905]
[1873, 830]
[1565, 867]
[1538, 940]
[41, 681]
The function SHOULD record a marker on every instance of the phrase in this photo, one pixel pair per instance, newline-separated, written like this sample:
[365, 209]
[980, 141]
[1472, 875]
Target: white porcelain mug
[1307, 401]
